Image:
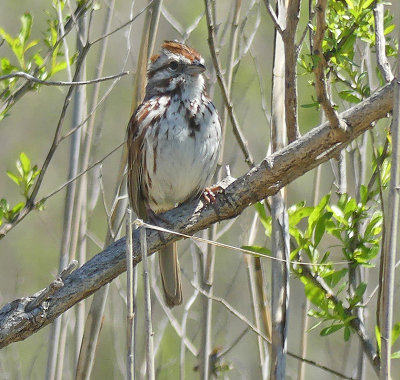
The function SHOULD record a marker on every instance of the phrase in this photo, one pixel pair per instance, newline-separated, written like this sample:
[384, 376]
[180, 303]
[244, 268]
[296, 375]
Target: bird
[174, 140]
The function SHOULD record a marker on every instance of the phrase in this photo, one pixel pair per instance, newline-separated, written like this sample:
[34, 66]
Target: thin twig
[21, 74]
[172, 320]
[274, 18]
[140, 223]
[236, 128]
[122, 26]
[232, 310]
[320, 366]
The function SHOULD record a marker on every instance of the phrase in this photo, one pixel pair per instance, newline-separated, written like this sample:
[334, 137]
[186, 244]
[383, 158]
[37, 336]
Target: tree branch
[380, 43]
[321, 87]
[291, 55]
[21, 74]
[273, 173]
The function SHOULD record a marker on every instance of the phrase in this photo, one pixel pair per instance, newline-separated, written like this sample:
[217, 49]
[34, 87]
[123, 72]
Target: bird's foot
[209, 193]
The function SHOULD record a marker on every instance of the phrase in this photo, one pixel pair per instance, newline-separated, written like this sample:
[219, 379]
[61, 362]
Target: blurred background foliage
[30, 251]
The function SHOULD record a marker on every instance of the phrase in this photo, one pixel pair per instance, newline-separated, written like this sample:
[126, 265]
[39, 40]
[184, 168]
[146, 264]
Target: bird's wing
[136, 159]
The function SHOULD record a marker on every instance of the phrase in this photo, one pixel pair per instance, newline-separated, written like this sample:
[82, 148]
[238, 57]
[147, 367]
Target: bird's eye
[173, 65]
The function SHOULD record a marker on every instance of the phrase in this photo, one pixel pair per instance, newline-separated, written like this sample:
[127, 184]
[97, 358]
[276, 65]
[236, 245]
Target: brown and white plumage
[173, 144]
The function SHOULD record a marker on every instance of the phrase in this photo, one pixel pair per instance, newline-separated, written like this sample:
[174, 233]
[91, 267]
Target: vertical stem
[79, 114]
[342, 171]
[305, 319]
[206, 285]
[279, 287]
[197, 274]
[94, 320]
[251, 276]
[130, 360]
[280, 225]
[147, 308]
[390, 243]
[54, 347]
[289, 41]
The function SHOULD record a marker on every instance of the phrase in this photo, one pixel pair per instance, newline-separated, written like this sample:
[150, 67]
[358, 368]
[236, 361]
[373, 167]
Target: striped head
[178, 68]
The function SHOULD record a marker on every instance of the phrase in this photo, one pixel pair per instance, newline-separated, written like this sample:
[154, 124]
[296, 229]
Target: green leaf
[374, 226]
[346, 333]
[378, 338]
[257, 249]
[264, 219]
[361, 288]
[396, 355]
[18, 207]
[349, 96]
[350, 207]
[315, 294]
[316, 213]
[31, 44]
[25, 162]
[7, 67]
[15, 178]
[298, 212]
[26, 26]
[364, 194]
[320, 227]
[58, 66]
[333, 278]
[331, 329]
[40, 205]
[395, 332]
[7, 37]
[366, 3]
[4, 205]
[311, 105]
[389, 29]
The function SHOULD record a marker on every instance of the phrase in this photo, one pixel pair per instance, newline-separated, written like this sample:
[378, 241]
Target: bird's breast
[181, 152]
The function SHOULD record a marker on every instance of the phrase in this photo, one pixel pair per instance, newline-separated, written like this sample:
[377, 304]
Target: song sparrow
[174, 138]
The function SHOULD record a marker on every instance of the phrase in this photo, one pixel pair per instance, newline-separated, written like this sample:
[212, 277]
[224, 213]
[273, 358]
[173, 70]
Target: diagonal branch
[273, 173]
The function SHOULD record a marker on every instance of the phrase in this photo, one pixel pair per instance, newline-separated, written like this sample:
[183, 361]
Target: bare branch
[122, 26]
[274, 18]
[21, 74]
[52, 288]
[291, 51]
[321, 87]
[320, 366]
[273, 173]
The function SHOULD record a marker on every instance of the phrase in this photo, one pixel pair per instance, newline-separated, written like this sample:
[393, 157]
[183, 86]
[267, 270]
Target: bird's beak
[195, 68]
